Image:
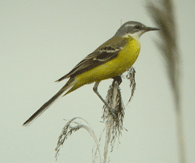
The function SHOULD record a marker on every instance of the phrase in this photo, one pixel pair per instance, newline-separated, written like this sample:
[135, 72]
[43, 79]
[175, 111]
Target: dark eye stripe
[138, 27]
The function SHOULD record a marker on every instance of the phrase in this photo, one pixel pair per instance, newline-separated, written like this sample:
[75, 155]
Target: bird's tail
[65, 89]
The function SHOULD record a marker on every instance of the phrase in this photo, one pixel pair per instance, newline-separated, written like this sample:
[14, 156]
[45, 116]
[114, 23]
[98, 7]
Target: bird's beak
[151, 29]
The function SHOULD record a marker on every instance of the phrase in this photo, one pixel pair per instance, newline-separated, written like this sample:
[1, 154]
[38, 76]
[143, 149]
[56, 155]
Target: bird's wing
[106, 52]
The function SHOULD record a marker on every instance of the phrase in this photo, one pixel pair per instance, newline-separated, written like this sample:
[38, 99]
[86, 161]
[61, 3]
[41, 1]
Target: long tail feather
[46, 105]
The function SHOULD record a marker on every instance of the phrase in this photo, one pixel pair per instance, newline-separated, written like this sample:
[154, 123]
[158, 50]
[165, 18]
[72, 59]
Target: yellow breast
[125, 59]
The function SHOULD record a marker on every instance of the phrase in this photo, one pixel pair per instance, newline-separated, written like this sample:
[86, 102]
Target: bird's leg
[118, 79]
[97, 93]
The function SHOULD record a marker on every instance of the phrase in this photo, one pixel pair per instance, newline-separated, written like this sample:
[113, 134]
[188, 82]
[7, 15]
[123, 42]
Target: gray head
[133, 29]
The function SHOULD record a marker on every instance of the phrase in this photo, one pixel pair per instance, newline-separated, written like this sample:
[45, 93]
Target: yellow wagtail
[110, 60]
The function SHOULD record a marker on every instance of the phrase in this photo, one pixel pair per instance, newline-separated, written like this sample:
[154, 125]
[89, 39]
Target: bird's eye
[138, 27]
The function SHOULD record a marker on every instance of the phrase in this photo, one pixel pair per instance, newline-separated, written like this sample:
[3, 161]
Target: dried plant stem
[162, 14]
[108, 137]
[113, 124]
[180, 133]
[73, 126]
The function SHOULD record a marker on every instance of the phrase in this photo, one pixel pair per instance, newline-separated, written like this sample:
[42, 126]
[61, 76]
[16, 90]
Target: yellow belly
[112, 68]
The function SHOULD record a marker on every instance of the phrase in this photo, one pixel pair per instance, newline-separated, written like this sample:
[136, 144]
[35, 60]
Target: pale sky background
[40, 41]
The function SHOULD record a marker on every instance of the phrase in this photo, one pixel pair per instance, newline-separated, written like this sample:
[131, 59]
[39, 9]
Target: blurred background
[43, 40]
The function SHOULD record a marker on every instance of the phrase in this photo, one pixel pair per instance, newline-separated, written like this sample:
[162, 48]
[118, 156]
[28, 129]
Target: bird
[109, 60]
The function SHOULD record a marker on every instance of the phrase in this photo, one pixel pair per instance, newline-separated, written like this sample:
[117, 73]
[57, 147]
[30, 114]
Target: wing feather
[106, 52]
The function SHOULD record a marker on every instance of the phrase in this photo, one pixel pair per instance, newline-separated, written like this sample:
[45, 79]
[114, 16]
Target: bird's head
[133, 29]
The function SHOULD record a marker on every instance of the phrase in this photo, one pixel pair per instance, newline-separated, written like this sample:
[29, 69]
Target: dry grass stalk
[131, 77]
[72, 126]
[162, 14]
[113, 124]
